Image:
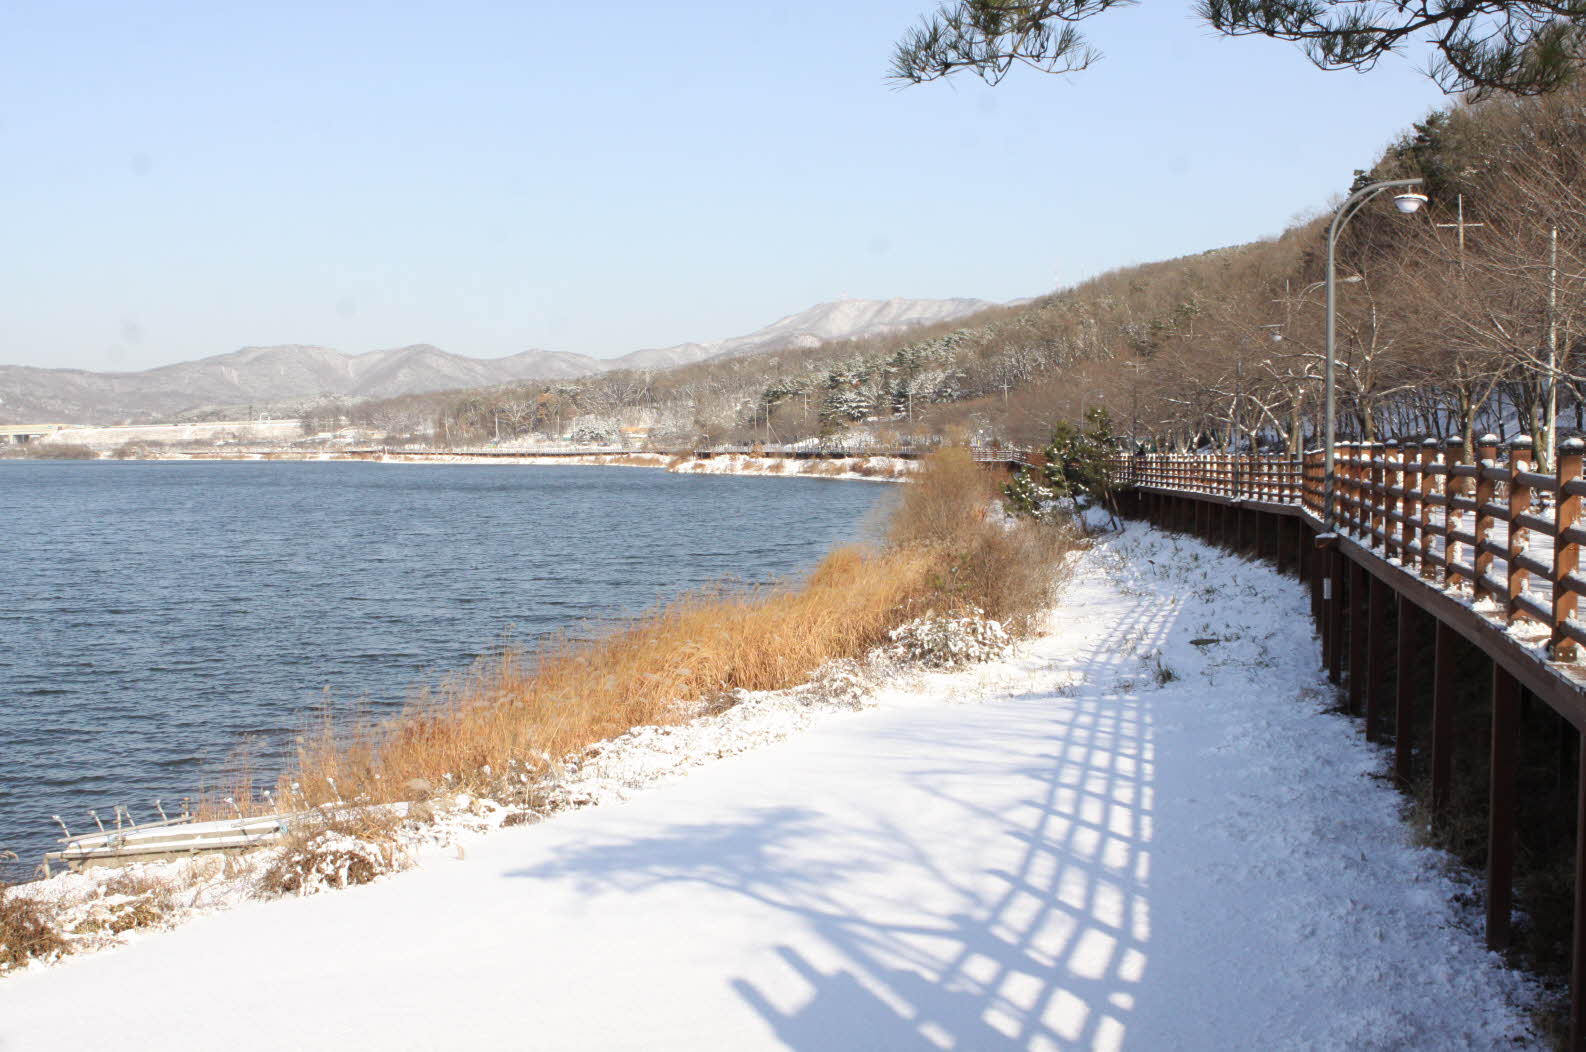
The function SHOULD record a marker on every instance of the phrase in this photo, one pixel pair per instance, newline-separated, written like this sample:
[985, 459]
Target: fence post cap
[1454, 443]
[1572, 445]
[1392, 443]
[1520, 442]
[1430, 443]
[1489, 439]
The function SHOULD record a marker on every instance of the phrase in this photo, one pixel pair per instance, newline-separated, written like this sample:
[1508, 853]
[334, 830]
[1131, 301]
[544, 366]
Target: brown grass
[127, 902]
[517, 712]
[1008, 569]
[518, 707]
[27, 931]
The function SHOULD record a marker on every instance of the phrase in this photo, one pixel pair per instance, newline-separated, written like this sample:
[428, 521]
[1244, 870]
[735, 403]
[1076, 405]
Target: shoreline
[847, 469]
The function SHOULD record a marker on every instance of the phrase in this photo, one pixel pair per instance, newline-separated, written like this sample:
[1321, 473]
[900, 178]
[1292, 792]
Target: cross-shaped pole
[1460, 225]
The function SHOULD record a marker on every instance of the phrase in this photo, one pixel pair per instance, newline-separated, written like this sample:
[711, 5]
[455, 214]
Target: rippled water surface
[154, 615]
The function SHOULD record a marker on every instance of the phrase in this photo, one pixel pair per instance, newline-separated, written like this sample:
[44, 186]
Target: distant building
[22, 434]
[634, 437]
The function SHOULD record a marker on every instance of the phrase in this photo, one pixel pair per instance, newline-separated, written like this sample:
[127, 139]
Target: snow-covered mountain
[839, 320]
[262, 375]
[297, 373]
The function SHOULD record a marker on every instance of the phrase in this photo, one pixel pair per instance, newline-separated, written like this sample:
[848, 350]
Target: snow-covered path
[1141, 832]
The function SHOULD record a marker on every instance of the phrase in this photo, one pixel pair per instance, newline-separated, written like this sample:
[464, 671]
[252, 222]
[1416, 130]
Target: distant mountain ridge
[838, 320]
[295, 372]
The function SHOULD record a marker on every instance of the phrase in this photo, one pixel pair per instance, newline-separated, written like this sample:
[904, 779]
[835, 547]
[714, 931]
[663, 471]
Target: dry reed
[27, 931]
[516, 713]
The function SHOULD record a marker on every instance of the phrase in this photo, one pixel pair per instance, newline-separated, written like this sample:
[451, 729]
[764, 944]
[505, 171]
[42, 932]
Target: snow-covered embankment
[1143, 829]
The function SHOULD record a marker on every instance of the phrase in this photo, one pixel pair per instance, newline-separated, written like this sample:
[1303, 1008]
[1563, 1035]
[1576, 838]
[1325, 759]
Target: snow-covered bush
[1027, 496]
[594, 432]
[337, 850]
[843, 682]
[938, 641]
[111, 913]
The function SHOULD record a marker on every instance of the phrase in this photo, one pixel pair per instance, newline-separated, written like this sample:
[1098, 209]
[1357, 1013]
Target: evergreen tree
[1527, 47]
[1078, 471]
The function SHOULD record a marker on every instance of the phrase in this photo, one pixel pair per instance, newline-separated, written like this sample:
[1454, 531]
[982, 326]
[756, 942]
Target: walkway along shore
[1147, 829]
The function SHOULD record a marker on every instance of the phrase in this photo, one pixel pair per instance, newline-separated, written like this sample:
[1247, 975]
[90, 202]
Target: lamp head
[1410, 202]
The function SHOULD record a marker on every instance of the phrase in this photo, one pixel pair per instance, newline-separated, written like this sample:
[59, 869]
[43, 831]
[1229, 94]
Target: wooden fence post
[1577, 985]
[1358, 675]
[1303, 543]
[1428, 489]
[1350, 493]
[1377, 655]
[1501, 804]
[1378, 454]
[1335, 618]
[1315, 561]
[1411, 505]
[1393, 478]
[1313, 482]
[1404, 707]
[1486, 493]
[1455, 489]
[1520, 456]
[1444, 671]
[1566, 551]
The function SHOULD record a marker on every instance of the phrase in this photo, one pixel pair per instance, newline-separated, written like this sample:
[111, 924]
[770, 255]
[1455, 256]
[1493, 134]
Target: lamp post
[1407, 202]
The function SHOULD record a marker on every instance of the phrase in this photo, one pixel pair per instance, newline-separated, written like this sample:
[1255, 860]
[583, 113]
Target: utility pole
[1460, 226]
[1134, 415]
[1239, 399]
[1134, 404]
[1546, 447]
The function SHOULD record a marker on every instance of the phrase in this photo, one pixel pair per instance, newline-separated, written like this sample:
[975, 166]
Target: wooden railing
[1273, 479]
[988, 455]
[1488, 526]
[1478, 542]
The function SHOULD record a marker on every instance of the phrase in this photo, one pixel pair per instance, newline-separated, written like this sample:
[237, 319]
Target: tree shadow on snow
[1048, 944]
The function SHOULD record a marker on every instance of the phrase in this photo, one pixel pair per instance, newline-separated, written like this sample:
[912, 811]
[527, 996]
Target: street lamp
[1408, 203]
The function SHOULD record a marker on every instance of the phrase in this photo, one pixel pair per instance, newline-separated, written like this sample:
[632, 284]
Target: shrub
[59, 451]
[112, 913]
[1005, 568]
[939, 642]
[335, 849]
[27, 931]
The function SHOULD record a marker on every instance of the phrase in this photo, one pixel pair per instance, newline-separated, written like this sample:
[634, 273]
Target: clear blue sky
[180, 180]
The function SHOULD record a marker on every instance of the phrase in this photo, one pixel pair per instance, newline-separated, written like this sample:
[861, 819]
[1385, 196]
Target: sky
[181, 180]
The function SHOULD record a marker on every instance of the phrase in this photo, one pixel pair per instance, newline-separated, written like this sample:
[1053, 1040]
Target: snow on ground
[613, 459]
[866, 469]
[1143, 830]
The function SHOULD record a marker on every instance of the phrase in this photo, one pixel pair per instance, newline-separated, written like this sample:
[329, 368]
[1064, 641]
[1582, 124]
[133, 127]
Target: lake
[154, 615]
